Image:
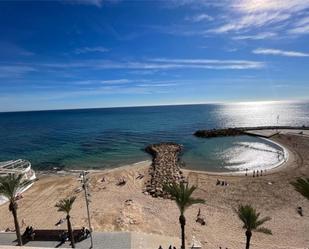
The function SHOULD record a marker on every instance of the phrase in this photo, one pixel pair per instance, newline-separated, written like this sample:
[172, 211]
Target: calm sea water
[100, 138]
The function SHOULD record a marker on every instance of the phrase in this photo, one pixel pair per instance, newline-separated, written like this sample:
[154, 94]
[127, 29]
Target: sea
[112, 137]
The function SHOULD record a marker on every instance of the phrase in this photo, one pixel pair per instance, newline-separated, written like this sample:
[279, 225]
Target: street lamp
[84, 181]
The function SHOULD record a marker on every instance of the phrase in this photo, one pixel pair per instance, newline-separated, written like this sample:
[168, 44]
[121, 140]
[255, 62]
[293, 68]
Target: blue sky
[94, 53]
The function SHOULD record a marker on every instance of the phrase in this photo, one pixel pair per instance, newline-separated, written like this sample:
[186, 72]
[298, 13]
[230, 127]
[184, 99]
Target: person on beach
[300, 211]
[59, 222]
[257, 173]
[121, 182]
[246, 171]
[253, 173]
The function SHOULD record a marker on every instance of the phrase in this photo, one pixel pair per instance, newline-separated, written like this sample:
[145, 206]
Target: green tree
[65, 205]
[252, 222]
[181, 193]
[302, 186]
[10, 186]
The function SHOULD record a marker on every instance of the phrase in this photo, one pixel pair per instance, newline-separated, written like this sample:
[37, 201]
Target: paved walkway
[106, 240]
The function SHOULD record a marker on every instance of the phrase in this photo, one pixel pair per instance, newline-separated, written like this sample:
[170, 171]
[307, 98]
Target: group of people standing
[170, 247]
[257, 173]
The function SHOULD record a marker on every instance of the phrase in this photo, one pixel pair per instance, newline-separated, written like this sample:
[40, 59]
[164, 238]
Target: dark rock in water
[241, 131]
[165, 167]
[219, 132]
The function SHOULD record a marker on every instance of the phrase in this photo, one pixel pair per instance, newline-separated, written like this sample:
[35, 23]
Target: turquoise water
[101, 138]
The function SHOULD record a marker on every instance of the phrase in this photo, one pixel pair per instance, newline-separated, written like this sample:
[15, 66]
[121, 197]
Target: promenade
[106, 240]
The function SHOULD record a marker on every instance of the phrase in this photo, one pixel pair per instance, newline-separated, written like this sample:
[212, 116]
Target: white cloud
[199, 18]
[144, 72]
[301, 27]
[150, 64]
[106, 82]
[270, 51]
[300, 30]
[259, 36]
[303, 21]
[194, 3]
[254, 6]
[250, 21]
[244, 15]
[211, 63]
[116, 81]
[159, 64]
[158, 85]
[91, 49]
[15, 71]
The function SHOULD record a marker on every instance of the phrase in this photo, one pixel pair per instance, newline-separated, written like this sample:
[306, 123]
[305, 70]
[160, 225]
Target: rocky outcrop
[242, 130]
[219, 132]
[165, 168]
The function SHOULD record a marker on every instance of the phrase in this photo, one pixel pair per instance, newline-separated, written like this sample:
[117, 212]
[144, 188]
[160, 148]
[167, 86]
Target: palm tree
[302, 186]
[248, 215]
[65, 205]
[10, 187]
[182, 194]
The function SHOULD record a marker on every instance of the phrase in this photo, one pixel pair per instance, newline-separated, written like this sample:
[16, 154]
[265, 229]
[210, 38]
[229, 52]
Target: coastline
[110, 211]
[148, 163]
[277, 167]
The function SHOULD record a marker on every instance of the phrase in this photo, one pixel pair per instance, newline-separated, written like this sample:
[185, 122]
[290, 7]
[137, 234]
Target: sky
[105, 53]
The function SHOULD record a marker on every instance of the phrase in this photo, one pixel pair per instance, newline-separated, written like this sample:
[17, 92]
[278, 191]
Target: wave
[252, 155]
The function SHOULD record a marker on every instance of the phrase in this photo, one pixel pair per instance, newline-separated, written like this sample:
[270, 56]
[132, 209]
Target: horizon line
[162, 105]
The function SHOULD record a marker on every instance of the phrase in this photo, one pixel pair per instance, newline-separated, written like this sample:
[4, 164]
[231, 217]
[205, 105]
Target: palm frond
[250, 218]
[11, 184]
[262, 221]
[193, 201]
[182, 194]
[65, 205]
[264, 230]
[302, 186]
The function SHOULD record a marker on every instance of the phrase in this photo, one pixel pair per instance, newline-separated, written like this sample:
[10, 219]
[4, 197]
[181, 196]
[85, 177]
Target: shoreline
[149, 162]
[271, 194]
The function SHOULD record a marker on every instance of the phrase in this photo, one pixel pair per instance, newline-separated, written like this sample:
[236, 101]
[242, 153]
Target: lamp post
[84, 180]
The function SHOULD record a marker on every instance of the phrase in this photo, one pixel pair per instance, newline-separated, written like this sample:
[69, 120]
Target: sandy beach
[126, 208]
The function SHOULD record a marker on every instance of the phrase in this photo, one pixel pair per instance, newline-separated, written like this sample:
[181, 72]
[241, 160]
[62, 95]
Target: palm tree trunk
[248, 235]
[182, 221]
[13, 209]
[70, 231]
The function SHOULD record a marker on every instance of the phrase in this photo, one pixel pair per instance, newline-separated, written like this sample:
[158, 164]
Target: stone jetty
[165, 168]
[219, 132]
[237, 131]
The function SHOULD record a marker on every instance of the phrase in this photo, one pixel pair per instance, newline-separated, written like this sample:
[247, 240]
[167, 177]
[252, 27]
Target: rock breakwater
[219, 132]
[165, 168]
[237, 131]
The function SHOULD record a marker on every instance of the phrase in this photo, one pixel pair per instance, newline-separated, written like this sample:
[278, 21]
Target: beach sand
[111, 212]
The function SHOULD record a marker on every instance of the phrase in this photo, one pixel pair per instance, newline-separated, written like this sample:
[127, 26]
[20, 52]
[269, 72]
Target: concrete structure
[106, 240]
